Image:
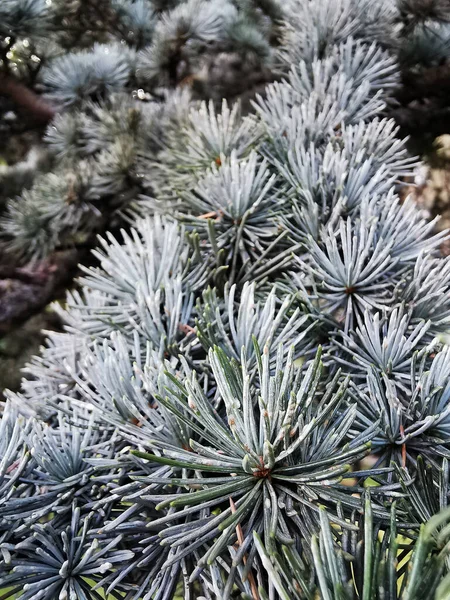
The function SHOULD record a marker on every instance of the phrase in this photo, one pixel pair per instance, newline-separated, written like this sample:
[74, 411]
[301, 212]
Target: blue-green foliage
[251, 396]
[117, 109]
[23, 17]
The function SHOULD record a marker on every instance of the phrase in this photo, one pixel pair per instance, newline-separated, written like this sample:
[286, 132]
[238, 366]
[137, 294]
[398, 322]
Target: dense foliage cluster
[251, 398]
[113, 94]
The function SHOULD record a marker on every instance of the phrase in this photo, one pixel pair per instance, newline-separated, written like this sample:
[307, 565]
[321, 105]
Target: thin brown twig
[240, 536]
[209, 215]
[402, 431]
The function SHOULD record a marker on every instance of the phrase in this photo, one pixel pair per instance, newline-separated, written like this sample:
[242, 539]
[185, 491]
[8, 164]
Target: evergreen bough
[251, 398]
[118, 75]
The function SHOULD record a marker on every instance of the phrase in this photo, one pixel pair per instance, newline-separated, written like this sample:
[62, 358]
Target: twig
[402, 431]
[240, 536]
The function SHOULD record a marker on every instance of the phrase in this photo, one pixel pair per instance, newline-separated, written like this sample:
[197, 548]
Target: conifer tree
[251, 396]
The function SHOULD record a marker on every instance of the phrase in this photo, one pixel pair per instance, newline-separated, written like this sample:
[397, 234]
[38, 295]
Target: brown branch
[24, 292]
[25, 99]
[21, 274]
[27, 290]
